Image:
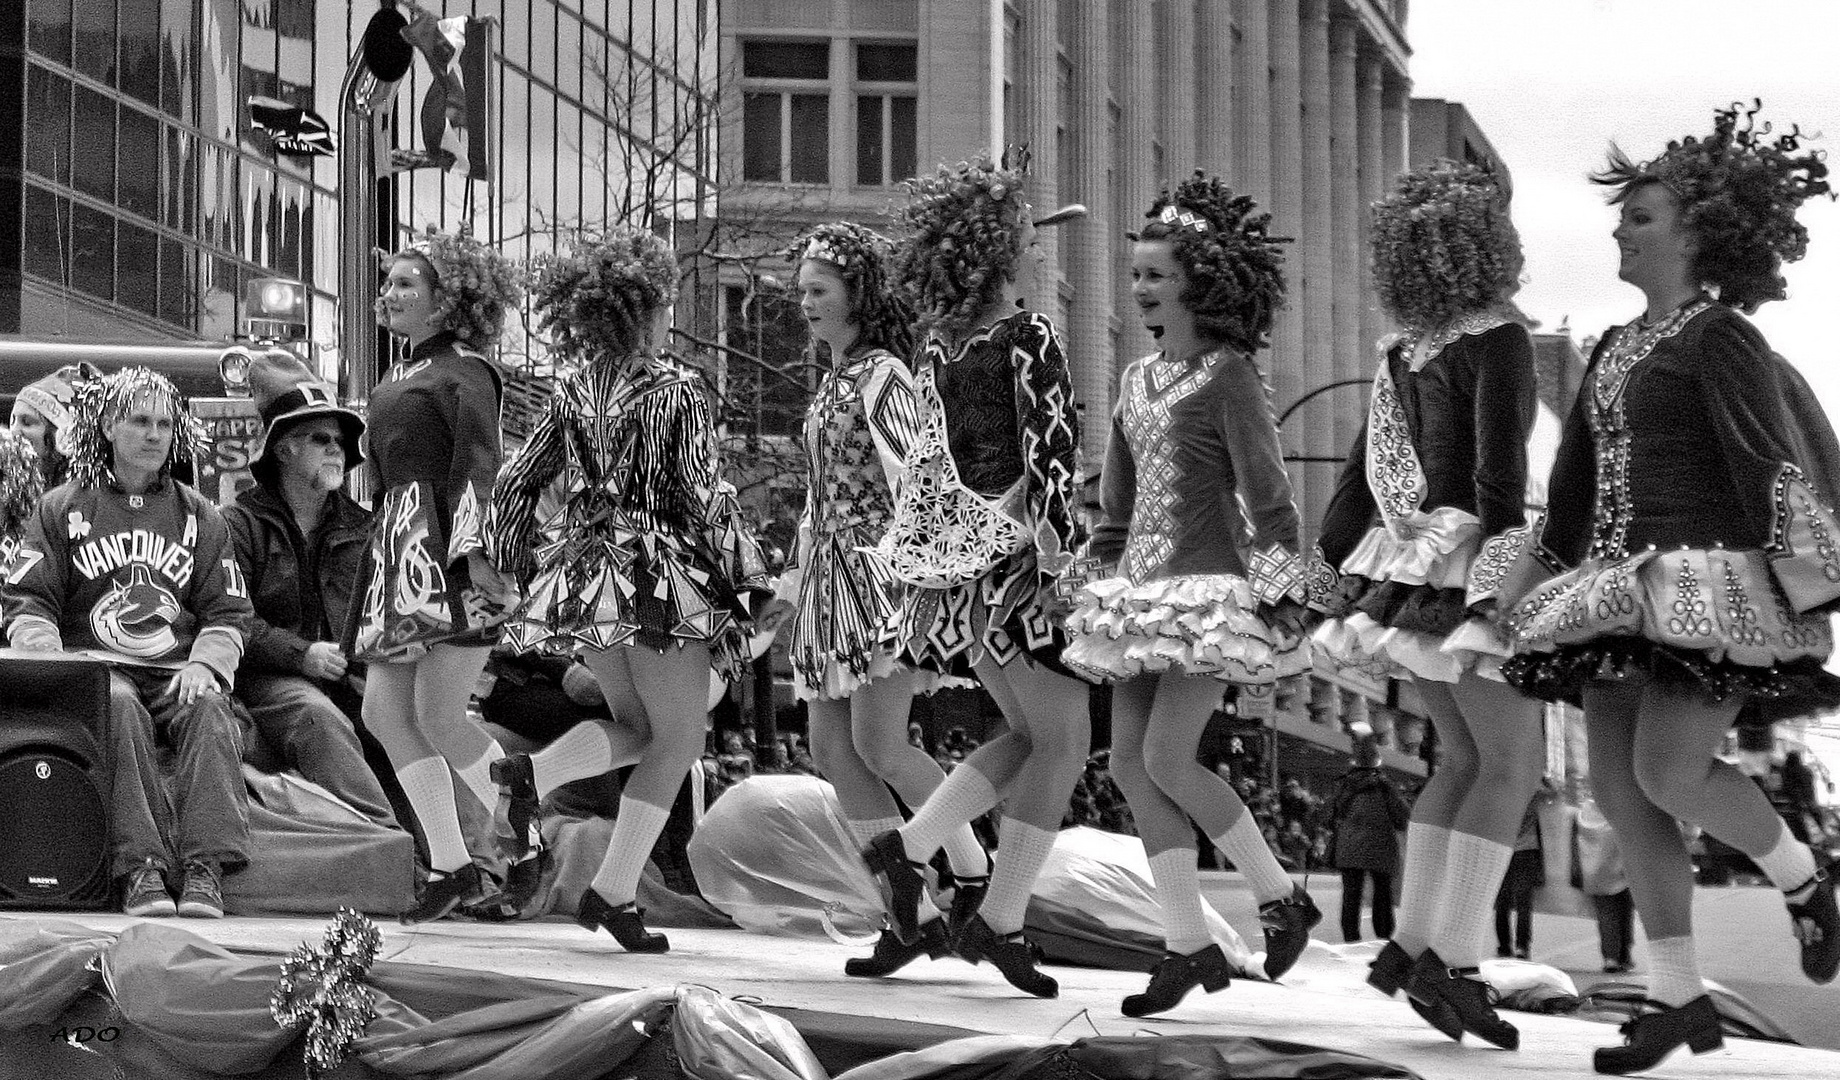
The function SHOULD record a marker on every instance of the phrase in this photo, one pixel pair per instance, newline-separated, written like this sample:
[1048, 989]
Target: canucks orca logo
[136, 616]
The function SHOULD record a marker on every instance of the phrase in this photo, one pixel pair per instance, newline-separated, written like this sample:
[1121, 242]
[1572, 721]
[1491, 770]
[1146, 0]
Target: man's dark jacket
[301, 585]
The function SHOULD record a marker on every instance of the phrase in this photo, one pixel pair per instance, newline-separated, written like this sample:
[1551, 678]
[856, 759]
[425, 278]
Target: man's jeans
[300, 723]
[207, 816]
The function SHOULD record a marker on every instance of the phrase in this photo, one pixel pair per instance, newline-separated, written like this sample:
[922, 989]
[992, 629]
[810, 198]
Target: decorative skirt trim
[413, 598]
[1360, 643]
[1203, 624]
[1011, 612]
[1433, 549]
[1785, 691]
[841, 635]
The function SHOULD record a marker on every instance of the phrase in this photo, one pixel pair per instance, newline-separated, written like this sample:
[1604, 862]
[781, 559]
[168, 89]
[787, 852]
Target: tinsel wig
[21, 484]
[102, 403]
[965, 226]
[1444, 246]
[598, 297]
[474, 285]
[863, 258]
[1738, 190]
[1232, 266]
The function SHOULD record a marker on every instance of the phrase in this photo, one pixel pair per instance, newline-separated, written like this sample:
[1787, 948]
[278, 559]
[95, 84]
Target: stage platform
[1322, 1002]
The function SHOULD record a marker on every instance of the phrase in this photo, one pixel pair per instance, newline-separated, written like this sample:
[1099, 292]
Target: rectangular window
[92, 251]
[139, 150]
[178, 278]
[47, 230]
[49, 32]
[48, 124]
[811, 138]
[140, 50]
[785, 60]
[760, 142]
[95, 39]
[887, 118]
[137, 253]
[95, 145]
[786, 112]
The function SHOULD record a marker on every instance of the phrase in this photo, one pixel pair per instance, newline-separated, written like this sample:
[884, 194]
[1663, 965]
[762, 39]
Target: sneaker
[203, 896]
[146, 895]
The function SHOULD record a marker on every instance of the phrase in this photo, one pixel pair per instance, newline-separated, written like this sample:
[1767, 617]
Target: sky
[1553, 82]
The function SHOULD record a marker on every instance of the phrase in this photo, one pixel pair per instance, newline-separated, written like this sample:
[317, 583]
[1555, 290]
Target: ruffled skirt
[1710, 619]
[413, 597]
[1200, 624]
[842, 633]
[1011, 611]
[1407, 616]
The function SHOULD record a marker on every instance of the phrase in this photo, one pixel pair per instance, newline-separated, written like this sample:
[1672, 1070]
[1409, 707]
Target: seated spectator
[126, 560]
[21, 486]
[41, 416]
[299, 540]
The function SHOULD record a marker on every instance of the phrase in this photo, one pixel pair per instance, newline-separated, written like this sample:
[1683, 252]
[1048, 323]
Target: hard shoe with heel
[1287, 923]
[443, 893]
[1466, 994]
[1816, 920]
[892, 954]
[887, 856]
[1014, 955]
[626, 923]
[1648, 1039]
[518, 815]
[1391, 972]
[1175, 975]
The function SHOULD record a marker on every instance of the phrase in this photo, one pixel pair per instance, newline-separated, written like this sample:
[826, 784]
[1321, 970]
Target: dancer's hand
[498, 587]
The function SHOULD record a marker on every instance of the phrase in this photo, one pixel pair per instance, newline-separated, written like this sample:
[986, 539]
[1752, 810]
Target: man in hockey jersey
[125, 560]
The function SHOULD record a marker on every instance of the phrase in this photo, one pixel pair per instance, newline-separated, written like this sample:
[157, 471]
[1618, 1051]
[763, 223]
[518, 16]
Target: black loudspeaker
[54, 782]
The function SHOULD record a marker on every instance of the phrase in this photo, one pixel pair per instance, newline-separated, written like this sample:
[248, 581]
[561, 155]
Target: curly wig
[1738, 191]
[1234, 268]
[598, 297]
[1444, 245]
[102, 403]
[863, 258]
[474, 285]
[21, 484]
[965, 225]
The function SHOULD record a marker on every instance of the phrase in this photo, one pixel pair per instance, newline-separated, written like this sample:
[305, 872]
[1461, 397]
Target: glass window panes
[179, 180]
[49, 32]
[760, 137]
[94, 162]
[48, 124]
[92, 251]
[137, 279]
[869, 157]
[175, 58]
[786, 60]
[139, 50]
[903, 138]
[94, 39]
[47, 228]
[178, 277]
[140, 154]
[886, 63]
[811, 135]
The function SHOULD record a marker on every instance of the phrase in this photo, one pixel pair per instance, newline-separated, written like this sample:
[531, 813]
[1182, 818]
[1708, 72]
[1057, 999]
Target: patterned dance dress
[857, 435]
[1431, 508]
[1685, 524]
[433, 452]
[985, 526]
[613, 516]
[1193, 440]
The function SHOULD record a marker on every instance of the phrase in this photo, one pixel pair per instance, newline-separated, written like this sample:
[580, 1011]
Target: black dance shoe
[1651, 1037]
[967, 895]
[1175, 975]
[887, 857]
[891, 954]
[625, 923]
[1391, 972]
[1287, 925]
[1817, 925]
[1014, 955]
[441, 895]
[1471, 1000]
[523, 880]
[517, 816]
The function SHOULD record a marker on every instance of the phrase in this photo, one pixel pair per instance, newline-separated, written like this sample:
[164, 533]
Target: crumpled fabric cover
[577, 846]
[1194, 1057]
[313, 854]
[47, 965]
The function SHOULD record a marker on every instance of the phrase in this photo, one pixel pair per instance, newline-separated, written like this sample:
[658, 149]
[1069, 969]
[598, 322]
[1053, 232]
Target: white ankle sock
[1178, 890]
[1243, 844]
[635, 830]
[864, 831]
[1022, 849]
[587, 750]
[965, 855]
[477, 775]
[1673, 971]
[429, 787]
[1788, 864]
[963, 795]
[1474, 875]
[1421, 886]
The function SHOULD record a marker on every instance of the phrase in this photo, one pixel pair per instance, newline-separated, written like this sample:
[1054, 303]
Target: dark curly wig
[102, 403]
[21, 484]
[1738, 191]
[1234, 268]
[474, 285]
[1444, 246]
[862, 258]
[598, 297]
[965, 225]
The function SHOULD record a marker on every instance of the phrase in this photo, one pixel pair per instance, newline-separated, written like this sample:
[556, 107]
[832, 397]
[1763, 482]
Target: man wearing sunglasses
[300, 539]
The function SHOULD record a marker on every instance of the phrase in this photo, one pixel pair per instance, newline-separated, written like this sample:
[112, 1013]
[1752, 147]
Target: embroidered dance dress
[613, 516]
[1193, 441]
[984, 523]
[433, 452]
[1431, 507]
[857, 435]
[1688, 536]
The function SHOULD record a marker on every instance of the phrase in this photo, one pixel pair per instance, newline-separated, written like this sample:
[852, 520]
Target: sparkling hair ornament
[1444, 246]
[1233, 266]
[474, 286]
[1738, 190]
[965, 225]
[21, 484]
[863, 258]
[597, 297]
[102, 403]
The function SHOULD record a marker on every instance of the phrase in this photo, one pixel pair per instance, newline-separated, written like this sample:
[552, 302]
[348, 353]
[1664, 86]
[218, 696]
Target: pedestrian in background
[1367, 814]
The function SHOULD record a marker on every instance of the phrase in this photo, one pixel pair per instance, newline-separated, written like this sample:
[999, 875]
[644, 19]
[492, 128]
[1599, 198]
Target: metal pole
[359, 116]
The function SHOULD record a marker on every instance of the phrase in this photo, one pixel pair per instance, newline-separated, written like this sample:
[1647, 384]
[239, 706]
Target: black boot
[1391, 972]
[891, 955]
[1649, 1038]
[1287, 925]
[1472, 1000]
[441, 895]
[1014, 955]
[1175, 975]
[887, 857]
[967, 896]
[1817, 925]
[517, 816]
[625, 923]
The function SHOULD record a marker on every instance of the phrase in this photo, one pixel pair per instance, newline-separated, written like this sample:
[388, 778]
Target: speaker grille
[54, 842]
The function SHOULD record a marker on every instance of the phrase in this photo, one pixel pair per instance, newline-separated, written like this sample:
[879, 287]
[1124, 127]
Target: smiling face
[825, 301]
[313, 451]
[1655, 246]
[406, 303]
[142, 438]
[1157, 282]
